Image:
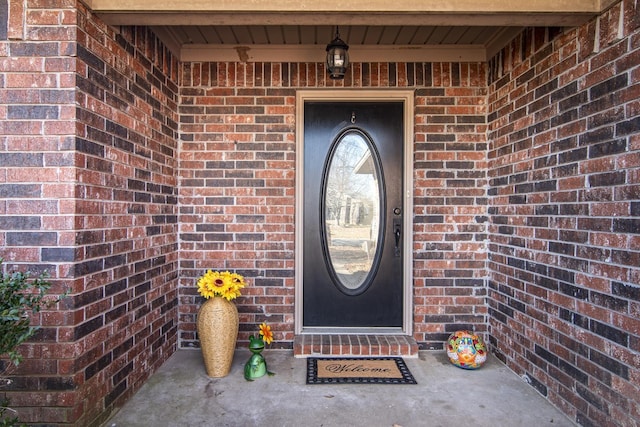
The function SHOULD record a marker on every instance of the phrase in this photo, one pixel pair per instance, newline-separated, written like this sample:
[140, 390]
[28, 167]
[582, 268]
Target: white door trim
[407, 97]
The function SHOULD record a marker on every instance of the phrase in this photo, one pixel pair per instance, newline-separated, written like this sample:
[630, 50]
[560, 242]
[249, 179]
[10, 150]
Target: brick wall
[450, 197]
[237, 188]
[37, 187]
[88, 192]
[564, 159]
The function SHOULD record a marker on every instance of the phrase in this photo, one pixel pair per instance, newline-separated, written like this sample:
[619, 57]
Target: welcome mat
[358, 370]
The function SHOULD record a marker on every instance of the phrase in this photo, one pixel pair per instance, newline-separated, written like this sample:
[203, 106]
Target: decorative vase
[466, 350]
[218, 332]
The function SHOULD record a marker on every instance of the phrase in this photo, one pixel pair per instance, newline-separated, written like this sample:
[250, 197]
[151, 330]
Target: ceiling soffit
[376, 30]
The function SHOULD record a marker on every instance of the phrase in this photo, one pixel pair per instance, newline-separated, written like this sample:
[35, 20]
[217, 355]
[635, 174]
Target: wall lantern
[337, 57]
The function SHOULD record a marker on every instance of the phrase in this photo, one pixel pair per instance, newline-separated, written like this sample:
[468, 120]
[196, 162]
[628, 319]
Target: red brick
[15, 27]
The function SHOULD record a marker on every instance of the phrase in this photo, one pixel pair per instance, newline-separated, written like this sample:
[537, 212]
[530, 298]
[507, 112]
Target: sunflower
[265, 332]
[230, 293]
[220, 284]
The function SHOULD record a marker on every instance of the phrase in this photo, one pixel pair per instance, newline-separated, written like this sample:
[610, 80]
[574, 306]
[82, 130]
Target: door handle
[397, 232]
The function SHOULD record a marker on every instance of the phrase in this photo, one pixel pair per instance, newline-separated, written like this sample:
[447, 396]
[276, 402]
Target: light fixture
[337, 57]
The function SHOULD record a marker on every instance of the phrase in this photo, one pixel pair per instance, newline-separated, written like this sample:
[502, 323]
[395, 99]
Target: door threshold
[319, 330]
[356, 345]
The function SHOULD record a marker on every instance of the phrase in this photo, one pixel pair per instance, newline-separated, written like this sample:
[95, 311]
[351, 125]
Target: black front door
[353, 209]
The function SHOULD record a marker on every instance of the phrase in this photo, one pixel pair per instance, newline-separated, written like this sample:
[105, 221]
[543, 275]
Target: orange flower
[265, 332]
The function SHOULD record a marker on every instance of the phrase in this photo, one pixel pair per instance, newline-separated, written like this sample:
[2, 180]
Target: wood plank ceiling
[322, 34]
[468, 41]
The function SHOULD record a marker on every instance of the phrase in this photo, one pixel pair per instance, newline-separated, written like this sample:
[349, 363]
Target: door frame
[354, 95]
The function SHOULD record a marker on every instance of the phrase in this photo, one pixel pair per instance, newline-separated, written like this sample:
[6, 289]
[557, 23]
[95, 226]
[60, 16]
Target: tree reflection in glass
[352, 210]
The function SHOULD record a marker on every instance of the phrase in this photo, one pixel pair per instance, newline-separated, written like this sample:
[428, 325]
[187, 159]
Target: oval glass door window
[351, 203]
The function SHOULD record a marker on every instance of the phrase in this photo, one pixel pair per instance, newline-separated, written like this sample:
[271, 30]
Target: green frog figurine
[256, 366]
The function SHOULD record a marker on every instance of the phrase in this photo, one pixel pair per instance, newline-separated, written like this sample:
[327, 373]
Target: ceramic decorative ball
[466, 350]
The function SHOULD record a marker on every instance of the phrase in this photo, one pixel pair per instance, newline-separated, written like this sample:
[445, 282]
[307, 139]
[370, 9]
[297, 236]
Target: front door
[353, 214]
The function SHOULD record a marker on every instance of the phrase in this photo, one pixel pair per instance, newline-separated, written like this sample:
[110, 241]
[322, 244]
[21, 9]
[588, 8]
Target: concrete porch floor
[181, 394]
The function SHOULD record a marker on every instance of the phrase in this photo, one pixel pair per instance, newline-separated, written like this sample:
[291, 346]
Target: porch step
[354, 345]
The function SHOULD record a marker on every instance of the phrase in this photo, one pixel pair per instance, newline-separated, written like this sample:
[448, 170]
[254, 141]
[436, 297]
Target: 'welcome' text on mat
[384, 370]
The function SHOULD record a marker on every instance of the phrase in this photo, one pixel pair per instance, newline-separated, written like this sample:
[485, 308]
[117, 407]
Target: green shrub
[5, 419]
[18, 296]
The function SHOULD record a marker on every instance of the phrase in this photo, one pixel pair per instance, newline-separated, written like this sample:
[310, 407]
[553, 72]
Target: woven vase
[218, 332]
